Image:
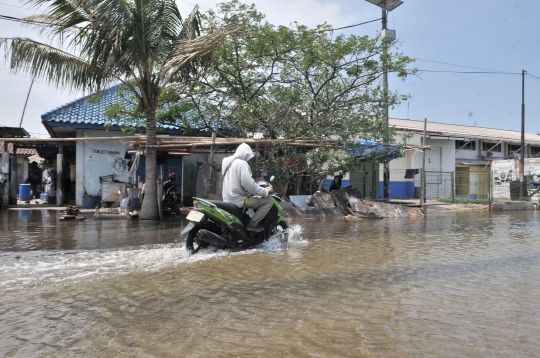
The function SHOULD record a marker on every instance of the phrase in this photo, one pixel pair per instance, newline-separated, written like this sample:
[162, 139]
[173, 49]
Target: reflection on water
[39, 232]
[452, 285]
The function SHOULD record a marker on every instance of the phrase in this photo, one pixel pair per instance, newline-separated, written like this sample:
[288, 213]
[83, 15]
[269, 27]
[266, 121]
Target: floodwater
[455, 285]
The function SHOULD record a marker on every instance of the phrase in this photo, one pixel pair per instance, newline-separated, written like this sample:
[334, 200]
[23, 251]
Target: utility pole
[522, 160]
[387, 37]
[423, 172]
[386, 165]
[26, 102]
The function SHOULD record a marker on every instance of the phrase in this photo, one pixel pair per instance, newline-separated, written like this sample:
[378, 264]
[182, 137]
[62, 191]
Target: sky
[447, 38]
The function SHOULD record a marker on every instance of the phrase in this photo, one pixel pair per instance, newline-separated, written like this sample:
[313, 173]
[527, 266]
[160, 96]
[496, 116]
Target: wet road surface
[459, 284]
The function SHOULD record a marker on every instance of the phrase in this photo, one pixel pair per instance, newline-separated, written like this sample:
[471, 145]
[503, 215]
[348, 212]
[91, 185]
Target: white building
[457, 147]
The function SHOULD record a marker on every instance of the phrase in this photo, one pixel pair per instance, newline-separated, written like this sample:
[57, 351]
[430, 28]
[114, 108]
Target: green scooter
[223, 225]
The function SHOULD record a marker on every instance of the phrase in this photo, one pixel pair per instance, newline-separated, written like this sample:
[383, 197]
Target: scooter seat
[231, 208]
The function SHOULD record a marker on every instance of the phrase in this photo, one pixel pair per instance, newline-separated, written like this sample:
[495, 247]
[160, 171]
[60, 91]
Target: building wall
[441, 157]
[97, 158]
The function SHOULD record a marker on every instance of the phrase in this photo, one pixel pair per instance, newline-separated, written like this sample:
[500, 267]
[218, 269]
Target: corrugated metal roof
[20, 151]
[13, 132]
[459, 131]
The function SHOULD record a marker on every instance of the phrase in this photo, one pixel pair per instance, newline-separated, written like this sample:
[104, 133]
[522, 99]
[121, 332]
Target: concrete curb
[512, 206]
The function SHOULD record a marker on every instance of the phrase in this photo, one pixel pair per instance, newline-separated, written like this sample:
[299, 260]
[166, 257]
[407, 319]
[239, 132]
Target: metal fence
[509, 188]
[405, 186]
[461, 186]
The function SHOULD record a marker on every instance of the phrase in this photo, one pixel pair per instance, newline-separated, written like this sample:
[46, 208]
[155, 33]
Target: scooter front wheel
[193, 240]
[280, 229]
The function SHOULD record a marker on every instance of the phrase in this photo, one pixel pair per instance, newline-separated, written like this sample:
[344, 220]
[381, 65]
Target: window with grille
[467, 145]
[491, 147]
[514, 149]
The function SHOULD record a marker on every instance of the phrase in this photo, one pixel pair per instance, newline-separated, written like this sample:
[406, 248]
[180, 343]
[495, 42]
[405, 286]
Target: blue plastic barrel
[134, 204]
[24, 192]
[89, 202]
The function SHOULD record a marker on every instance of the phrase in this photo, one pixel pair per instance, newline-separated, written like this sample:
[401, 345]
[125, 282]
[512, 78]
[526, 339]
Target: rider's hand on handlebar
[269, 190]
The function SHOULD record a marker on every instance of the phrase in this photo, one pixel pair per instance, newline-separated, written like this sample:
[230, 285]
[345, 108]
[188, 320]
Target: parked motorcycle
[171, 195]
[223, 225]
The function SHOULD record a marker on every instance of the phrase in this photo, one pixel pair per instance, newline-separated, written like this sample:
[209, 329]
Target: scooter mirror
[271, 178]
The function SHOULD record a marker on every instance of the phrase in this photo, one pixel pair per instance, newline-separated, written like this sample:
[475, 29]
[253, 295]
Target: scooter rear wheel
[193, 241]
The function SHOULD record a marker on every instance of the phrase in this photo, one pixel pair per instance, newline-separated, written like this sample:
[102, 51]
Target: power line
[453, 64]
[20, 7]
[528, 74]
[16, 19]
[472, 72]
[362, 23]
[204, 8]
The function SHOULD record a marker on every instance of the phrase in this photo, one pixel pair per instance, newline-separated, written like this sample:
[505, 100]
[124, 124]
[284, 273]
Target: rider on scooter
[167, 186]
[171, 179]
[240, 188]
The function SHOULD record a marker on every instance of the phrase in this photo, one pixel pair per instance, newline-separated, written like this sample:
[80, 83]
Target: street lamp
[388, 35]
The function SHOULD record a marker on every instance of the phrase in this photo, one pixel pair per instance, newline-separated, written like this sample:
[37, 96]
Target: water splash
[27, 270]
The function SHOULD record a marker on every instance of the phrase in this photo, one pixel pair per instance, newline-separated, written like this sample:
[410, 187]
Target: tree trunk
[149, 209]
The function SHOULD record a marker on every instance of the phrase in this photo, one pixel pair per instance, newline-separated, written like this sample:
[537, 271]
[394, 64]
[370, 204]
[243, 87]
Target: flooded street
[458, 284]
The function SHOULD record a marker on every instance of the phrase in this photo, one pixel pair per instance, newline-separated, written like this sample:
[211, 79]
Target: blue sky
[497, 36]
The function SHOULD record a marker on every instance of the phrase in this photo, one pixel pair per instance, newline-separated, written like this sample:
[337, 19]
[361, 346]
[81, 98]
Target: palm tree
[144, 44]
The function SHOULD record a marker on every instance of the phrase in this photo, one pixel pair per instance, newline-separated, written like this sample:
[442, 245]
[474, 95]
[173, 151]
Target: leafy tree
[297, 83]
[143, 44]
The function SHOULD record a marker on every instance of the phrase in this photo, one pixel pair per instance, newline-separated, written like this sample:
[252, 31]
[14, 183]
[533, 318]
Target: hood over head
[244, 152]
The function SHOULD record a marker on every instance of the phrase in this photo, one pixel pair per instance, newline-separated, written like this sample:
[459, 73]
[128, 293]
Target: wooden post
[5, 170]
[60, 176]
[423, 176]
[13, 177]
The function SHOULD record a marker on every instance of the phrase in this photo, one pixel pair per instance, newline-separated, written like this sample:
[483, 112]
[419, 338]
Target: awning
[34, 158]
[475, 162]
[366, 150]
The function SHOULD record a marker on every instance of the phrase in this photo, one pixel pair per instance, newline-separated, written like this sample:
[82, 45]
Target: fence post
[490, 189]
[423, 173]
[453, 187]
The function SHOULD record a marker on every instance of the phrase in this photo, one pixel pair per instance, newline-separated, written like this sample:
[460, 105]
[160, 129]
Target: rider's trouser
[261, 205]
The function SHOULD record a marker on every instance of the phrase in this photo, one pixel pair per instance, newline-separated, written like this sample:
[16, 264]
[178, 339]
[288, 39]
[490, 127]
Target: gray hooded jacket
[238, 182]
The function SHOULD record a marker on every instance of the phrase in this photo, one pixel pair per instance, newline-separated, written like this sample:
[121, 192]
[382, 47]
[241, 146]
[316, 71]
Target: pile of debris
[347, 203]
[72, 212]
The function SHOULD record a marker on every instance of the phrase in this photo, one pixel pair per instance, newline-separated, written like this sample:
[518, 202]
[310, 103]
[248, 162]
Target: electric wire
[470, 72]
[20, 7]
[362, 23]
[11, 18]
[204, 8]
[453, 64]
[16, 19]
[533, 76]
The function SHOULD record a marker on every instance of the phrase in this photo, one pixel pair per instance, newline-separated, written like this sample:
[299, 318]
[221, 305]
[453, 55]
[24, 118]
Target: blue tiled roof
[82, 112]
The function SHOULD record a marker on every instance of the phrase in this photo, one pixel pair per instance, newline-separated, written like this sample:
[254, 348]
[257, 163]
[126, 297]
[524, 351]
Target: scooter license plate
[195, 216]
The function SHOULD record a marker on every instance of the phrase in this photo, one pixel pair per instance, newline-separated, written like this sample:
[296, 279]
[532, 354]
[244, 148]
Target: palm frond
[187, 52]
[62, 14]
[48, 27]
[50, 64]
[190, 27]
